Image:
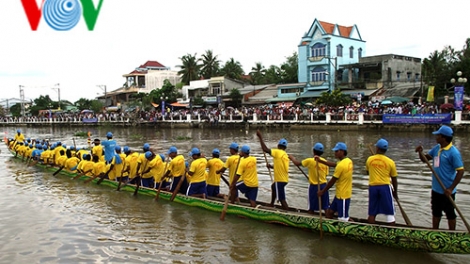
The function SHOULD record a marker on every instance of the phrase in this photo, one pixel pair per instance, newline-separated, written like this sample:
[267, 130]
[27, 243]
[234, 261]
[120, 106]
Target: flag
[430, 97]
[458, 97]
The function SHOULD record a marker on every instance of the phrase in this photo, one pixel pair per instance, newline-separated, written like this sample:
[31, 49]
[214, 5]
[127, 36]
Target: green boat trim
[399, 236]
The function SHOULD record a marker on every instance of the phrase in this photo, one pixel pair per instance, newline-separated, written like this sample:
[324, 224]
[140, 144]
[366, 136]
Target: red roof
[137, 72]
[152, 64]
[343, 31]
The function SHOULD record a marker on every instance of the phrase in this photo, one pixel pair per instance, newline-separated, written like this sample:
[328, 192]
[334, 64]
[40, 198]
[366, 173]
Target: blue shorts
[342, 207]
[251, 193]
[147, 182]
[279, 189]
[212, 190]
[313, 197]
[164, 185]
[174, 183]
[380, 200]
[196, 188]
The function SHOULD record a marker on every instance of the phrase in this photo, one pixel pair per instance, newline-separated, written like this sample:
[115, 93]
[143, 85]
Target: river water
[52, 219]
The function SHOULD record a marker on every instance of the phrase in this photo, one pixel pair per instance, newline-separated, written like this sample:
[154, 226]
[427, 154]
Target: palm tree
[435, 71]
[210, 65]
[257, 74]
[273, 75]
[189, 68]
[290, 69]
[232, 69]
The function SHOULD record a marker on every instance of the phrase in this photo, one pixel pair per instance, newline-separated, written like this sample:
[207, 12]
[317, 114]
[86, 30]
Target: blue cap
[65, 146]
[58, 143]
[162, 156]
[148, 154]
[340, 146]
[382, 144]
[445, 131]
[282, 142]
[117, 148]
[216, 151]
[19, 130]
[126, 149]
[38, 146]
[109, 135]
[234, 146]
[28, 139]
[318, 147]
[77, 149]
[146, 146]
[195, 151]
[186, 164]
[30, 145]
[246, 149]
[72, 147]
[172, 150]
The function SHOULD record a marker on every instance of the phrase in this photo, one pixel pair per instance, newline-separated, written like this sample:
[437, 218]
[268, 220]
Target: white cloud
[128, 33]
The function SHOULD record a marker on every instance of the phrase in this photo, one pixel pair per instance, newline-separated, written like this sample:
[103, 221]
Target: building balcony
[318, 83]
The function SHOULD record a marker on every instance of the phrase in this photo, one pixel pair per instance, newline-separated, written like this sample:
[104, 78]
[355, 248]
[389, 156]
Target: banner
[430, 97]
[417, 119]
[458, 98]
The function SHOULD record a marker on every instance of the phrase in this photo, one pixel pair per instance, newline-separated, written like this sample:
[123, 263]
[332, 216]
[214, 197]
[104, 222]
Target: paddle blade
[57, 171]
[222, 215]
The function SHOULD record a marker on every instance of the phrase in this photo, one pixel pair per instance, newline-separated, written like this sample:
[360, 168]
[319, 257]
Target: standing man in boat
[130, 164]
[316, 172]
[248, 174]
[382, 171]
[447, 163]
[19, 137]
[343, 177]
[231, 164]
[197, 175]
[97, 149]
[176, 168]
[281, 170]
[109, 146]
[213, 180]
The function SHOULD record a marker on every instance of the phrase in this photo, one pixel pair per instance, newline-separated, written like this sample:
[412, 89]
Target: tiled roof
[329, 28]
[152, 64]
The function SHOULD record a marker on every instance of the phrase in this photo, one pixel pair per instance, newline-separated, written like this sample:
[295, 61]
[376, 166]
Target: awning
[364, 92]
[312, 94]
[281, 99]
[155, 105]
[179, 104]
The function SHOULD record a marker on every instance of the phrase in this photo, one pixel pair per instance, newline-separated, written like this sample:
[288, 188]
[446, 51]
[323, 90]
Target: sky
[130, 32]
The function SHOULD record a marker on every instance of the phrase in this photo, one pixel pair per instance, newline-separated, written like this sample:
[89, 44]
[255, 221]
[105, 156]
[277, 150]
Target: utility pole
[103, 87]
[22, 99]
[58, 92]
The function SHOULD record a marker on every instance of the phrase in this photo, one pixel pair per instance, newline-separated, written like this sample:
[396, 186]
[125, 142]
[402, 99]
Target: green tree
[15, 110]
[210, 65]
[290, 69]
[83, 104]
[335, 98]
[96, 106]
[273, 75]
[189, 69]
[257, 74]
[232, 69]
[236, 96]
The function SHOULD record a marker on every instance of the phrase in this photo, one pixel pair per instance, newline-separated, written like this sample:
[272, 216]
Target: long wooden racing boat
[399, 236]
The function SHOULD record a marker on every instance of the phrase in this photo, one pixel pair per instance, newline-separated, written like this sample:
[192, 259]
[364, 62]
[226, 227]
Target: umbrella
[447, 106]
[86, 111]
[309, 104]
[386, 102]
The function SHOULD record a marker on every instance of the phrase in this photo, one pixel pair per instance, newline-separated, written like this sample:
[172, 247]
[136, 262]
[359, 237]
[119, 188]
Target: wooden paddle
[403, 213]
[178, 186]
[92, 178]
[423, 157]
[224, 210]
[225, 180]
[57, 171]
[319, 201]
[267, 165]
[162, 179]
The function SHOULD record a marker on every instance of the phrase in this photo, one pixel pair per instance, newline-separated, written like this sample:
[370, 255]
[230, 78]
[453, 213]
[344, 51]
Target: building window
[359, 53]
[416, 77]
[339, 50]
[318, 75]
[408, 76]
[351, 52]
[398, 75]
[318, 50]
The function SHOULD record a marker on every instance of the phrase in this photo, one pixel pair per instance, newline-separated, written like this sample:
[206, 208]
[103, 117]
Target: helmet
[172, 149]
[234, 146]
[282, 142]
[146, 146]
[109, 135]
[216, 151]
[148, 155]
[195, 151]
[246, 149]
